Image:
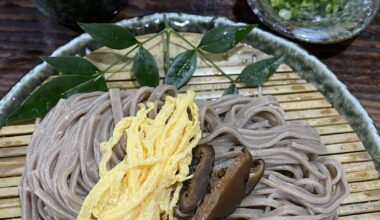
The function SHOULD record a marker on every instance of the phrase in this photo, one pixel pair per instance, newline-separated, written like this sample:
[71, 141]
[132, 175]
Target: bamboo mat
[299, 99]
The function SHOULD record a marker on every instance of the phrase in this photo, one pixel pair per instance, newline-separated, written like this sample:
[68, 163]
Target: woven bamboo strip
[9, 205]
[357, 189]
[364, 186]
[334, 120]
[12, 151]
[8, 171]
[358, 166]
[204, 81]
[311, 114]
[13, 202]
[14, 141]
[13, 130]
[327, 132]
[363, 175]
[17, 129]
[10, 161]
[299, 97]
[367, 173]
[350, 157]
[345, 147]
[369, 216]
[355, 209]
[334, 129]
[9, 181]
[331, 149]
[10, 212]
[356, 171]
[9, 192]
[339, 138]
[367, 196]
[207, 76]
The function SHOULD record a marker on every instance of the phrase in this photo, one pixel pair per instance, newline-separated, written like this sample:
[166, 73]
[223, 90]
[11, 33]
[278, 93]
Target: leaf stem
[200, 52]
[133, 49]
[216, 66]
[124, 56]
[184, 39]
[154, 36]
[167, 51]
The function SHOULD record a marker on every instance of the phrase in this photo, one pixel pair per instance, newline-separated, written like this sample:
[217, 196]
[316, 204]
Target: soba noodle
[63, 155]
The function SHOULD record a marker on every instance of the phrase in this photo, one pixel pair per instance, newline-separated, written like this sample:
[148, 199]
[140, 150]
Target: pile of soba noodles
[63, 155]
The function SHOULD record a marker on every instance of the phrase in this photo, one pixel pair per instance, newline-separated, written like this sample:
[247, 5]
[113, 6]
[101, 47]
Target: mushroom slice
[229, 186]
[257, 171]
[190, 198]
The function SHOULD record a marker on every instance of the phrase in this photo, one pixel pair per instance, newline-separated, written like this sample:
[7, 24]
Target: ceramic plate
[306, 65]
[345, 24]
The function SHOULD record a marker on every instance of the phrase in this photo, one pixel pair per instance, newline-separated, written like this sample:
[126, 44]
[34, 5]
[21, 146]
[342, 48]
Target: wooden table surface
[25, 35]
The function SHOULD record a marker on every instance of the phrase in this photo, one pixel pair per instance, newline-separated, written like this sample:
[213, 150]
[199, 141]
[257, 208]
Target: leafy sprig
[80, 75]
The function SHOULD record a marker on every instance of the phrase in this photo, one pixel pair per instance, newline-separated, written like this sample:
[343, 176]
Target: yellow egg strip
[147, 183]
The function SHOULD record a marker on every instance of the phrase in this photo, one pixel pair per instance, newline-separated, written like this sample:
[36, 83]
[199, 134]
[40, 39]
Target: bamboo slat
[365, 186]
[17, 129]
[363, 175]
[9, 171]
[9, 192]
[355, 166]
[345, 147]
[13, 202]
[367, 196]
[11, 130]
[300, 100]
[12, 151]
[14, 141]
[10, 212]
[334, 120]
[369, 216]
[9, 181]
[355, 209]
[339, 138]
[311, 114]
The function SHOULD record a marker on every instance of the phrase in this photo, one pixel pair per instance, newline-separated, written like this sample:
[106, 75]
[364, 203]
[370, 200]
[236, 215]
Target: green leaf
[47, 96]
[257, 73]
[232, 89]
[221, 39]
[94, 84]
[71, 65]
[145, 68]
[110, 35]
[181, 69]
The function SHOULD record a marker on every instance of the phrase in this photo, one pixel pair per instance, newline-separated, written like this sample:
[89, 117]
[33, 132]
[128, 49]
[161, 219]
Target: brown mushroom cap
[229, 187]
[204, 156]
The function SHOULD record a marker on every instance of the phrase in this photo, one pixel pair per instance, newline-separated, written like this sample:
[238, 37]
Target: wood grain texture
[25, 35]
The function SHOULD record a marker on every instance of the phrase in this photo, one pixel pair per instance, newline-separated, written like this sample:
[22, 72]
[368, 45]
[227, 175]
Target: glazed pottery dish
[346, 21]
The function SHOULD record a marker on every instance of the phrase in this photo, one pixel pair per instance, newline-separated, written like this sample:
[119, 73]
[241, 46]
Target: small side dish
[316, 21]
[309, 9]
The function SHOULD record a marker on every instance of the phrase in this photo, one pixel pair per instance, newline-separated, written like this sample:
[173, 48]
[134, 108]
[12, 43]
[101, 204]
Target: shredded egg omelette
[147, 183]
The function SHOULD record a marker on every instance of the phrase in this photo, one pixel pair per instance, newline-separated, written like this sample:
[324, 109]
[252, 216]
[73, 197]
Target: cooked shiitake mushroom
[257, 171]
[203, 156]
[226, 189]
